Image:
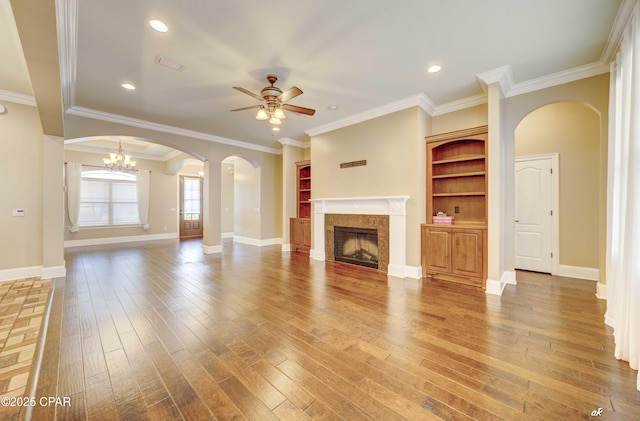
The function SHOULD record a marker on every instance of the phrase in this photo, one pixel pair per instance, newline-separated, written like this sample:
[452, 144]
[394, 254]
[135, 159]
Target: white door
[533, 214]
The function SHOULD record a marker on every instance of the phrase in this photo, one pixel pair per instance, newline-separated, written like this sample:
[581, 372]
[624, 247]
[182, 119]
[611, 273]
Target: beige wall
[459, 120]
[393, 146]
[163, 201]
[572, 130]
[21, 175]
[246, 194]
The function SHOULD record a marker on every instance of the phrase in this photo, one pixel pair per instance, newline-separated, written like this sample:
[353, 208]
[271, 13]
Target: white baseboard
[590, 274]
[509, 277]
[33, 272]
[211, 249]
[495, 287]
[256, 242]
[54, 272]
[601, 291]
[286, 247]
[116, 240]
[317, 255]
[404, 271]
[227, 235]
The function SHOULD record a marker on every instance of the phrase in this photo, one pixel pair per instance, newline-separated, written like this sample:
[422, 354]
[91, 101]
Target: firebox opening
[358, 246]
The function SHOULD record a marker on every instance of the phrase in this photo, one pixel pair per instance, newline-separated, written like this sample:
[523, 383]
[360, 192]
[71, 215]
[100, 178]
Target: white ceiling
[359, 55]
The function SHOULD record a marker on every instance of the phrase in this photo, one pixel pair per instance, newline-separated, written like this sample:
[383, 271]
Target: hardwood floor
[162, 331]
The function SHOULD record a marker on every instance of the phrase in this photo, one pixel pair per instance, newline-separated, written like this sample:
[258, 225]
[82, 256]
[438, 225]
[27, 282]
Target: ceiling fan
[274, 100]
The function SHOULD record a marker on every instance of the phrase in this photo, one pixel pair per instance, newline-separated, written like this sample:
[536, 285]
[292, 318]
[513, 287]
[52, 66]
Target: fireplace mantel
[394, 206]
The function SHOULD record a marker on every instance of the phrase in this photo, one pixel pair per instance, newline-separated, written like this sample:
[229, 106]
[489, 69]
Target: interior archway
[240, 199]
[572, 130]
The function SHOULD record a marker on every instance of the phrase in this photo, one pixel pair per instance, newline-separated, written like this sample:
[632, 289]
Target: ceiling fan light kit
[274, 102]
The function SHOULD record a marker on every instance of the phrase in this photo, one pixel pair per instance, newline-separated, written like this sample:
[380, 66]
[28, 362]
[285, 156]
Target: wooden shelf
[462, 174]
[459, 159]
[471, 193]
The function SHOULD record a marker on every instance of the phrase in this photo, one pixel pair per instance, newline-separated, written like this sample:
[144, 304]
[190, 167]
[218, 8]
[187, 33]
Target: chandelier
[118, 161]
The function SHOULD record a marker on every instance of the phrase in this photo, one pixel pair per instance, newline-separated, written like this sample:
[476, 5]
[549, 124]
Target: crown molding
[67, 28]
[460, 104]
[143, 124]
[559, 78]
[419, 100]
[501, 75]
[17, 98]
[617, 31]
[293, 142]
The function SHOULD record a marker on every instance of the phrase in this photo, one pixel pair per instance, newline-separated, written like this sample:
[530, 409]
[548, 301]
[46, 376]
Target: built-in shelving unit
[300, 227]
[456, 186]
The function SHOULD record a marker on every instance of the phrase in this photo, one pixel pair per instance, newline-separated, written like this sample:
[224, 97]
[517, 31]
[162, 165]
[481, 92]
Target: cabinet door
[466, 255]
[305, 234]
[438, 254]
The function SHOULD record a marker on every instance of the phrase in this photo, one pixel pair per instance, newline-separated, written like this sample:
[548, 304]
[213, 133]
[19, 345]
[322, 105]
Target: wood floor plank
[253, 333]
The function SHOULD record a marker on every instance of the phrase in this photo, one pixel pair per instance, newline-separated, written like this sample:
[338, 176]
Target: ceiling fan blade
[247, 108]
[299, 110]
[291, 93]
[251, 94]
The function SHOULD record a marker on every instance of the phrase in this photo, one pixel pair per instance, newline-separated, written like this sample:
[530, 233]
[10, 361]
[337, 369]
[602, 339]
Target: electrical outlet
[456, 209]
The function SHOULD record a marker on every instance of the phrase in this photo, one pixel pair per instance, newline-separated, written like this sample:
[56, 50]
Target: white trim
[116, 240]
[566, 76]
[17, 98]
[20, 273]
[590, 274]
[407, 283]
[494, 287]
[49, 272]
[256, 242]
[555, 204]
[296, 143]
[212, 249]
[460, 104]
[67, 30]
[419, 100]
[143, 124]
[404, 271]
[227, 234]
[509, 277]
[286, 247]
[601, 291]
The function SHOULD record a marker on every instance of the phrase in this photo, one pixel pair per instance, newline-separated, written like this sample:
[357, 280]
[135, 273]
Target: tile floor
[22, 308]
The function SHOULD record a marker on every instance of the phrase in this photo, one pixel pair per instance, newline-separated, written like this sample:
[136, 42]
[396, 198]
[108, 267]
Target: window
[108, 198]
[191, 201]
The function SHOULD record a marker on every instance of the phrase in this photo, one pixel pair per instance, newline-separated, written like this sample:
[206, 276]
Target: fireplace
[358, 246]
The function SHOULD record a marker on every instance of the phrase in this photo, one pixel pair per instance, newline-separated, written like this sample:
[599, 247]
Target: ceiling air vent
[174, 65]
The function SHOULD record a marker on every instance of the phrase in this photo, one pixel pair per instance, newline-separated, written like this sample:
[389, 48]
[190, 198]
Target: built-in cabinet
[300, 227]
[456, 186]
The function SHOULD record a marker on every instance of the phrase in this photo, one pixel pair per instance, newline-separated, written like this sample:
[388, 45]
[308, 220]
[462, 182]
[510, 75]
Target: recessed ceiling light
[434, 69]
[128, 86]
[158, 25]
[333, 107]
[275, 129]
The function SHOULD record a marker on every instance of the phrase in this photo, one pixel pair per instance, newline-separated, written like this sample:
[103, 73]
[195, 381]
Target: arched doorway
[571, 131]
[241, 199]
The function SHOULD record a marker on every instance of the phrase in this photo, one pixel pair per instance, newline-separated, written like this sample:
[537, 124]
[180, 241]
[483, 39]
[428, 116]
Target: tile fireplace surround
[393, 206]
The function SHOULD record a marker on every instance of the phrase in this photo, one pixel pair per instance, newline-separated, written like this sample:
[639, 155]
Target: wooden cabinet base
[454, 253]
[300, 231]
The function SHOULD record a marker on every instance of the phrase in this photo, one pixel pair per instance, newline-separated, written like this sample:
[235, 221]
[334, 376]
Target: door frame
[180, 209]
[555, 205]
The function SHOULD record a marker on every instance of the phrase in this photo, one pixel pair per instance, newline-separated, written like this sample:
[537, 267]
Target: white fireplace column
[394, 206]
